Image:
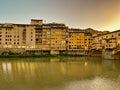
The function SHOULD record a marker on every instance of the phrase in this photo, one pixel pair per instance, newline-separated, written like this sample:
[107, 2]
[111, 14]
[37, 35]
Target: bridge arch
[116, 52]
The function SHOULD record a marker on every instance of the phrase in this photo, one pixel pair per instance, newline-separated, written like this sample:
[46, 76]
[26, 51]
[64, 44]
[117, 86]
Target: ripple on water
[94, 84]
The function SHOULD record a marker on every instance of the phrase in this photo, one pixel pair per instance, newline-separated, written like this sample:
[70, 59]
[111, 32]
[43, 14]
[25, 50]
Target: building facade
[76, 39]
[38, 37]
[107, 41]
[79, 41]
[17, 36]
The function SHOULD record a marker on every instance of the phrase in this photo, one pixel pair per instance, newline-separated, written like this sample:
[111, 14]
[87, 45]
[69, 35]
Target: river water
[62, 73]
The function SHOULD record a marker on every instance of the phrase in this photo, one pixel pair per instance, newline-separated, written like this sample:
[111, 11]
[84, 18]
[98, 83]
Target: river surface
[63, 73]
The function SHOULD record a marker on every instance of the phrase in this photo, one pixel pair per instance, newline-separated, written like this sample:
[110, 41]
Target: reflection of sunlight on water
[95, 84]
[86, 64]
[54, 59]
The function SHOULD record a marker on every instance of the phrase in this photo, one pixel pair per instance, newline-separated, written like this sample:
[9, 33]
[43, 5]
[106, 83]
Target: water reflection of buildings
[54, 59]
[29, 71]
[7, 69]
[54, 72]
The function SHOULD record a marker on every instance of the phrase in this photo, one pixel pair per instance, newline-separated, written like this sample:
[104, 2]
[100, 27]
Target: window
[10, 43]
[118, 34]
[112, 35]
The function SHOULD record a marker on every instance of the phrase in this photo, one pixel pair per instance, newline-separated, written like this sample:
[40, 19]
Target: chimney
[36, 22]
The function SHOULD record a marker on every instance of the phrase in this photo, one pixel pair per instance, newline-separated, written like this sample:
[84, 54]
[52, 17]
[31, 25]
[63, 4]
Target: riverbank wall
[109, 54]
[9, 51]
[20, 52]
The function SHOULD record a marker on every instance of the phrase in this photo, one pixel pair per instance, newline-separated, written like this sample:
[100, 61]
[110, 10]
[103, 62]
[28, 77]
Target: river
[62, 73]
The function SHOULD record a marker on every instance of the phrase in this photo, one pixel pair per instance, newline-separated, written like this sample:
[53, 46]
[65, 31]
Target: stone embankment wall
[7, 51]
[10, 51]
[105, 54]
[108, 54]
[95, 53]
[78, 52]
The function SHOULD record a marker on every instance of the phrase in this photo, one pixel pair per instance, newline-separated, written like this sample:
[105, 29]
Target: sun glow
[113, 26]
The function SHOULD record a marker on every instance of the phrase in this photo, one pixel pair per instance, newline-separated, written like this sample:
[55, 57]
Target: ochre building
[51, 38]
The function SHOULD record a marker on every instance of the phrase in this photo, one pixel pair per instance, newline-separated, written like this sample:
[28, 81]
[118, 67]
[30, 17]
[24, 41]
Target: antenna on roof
[45, 21]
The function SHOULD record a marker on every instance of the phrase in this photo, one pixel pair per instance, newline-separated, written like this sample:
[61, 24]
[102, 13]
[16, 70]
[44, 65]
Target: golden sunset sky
[97, 14]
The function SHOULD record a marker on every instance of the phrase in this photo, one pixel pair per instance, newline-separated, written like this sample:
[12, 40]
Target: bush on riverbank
[41, 55]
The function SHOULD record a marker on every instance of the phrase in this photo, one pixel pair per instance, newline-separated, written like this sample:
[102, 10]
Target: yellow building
[88, 41]
[79, 41]
[58, 37]
[76, 39]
